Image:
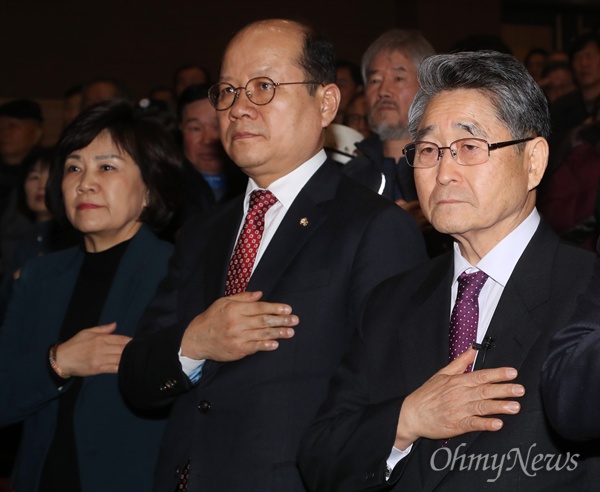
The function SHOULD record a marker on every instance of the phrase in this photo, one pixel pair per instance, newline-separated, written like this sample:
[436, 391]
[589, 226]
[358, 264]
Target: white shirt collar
[287, 187]
[500, 262]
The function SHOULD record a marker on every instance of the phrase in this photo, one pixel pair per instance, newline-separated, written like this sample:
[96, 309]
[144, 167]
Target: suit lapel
[125, 282]
[427, 326]
[514, 326]
[302, 220]
[216, 261]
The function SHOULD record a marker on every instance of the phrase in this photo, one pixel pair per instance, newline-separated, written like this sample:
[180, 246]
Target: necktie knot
[470, 284]
[261, 201]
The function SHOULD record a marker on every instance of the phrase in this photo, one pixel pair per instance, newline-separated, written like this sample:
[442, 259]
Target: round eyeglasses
[465, 151]
[260, 91]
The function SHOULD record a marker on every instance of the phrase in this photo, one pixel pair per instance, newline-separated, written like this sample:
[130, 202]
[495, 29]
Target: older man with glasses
[442, 390]
[262, 297]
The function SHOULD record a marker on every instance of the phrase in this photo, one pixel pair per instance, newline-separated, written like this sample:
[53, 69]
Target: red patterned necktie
[465, 314]
[244, 254]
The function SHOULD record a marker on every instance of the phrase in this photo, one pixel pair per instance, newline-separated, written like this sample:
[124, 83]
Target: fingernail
[512, 373]
[497, 424]
[513, 407]
[519, 391]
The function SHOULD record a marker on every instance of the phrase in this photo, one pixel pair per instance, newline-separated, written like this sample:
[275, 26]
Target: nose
[448, 168]
[87, 182]
[385, 88]
[242, 105]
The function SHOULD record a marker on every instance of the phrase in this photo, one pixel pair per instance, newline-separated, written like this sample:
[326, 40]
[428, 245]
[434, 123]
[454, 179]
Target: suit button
[204, 406]
[167, 385]
[177, 471]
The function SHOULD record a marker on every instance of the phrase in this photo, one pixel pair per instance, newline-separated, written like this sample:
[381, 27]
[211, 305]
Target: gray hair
[519, 102]
[408, 41]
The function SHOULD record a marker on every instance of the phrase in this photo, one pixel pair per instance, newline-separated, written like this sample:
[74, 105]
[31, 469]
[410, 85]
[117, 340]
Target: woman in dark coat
[115, 177]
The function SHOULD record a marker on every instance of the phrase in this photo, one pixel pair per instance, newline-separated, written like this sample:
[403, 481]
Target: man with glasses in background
[262, 296]
[442, 390]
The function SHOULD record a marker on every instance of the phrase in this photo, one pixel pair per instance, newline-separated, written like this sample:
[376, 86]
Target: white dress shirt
[286, 190]
[498, 264]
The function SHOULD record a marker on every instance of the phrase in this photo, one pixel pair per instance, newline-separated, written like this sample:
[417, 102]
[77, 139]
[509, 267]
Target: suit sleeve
[571, 372]
[348, 443]
[26, 384]
[150, 374]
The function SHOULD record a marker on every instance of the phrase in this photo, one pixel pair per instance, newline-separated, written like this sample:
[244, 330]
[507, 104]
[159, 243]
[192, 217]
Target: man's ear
[537, 155]
[330, 101]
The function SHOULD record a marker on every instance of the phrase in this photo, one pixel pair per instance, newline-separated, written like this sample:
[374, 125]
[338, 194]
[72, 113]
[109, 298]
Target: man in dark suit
[247, 371]
[571, 373]
[398, 415]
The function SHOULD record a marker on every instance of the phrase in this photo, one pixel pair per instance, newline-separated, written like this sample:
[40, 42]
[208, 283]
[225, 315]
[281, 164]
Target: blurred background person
[187, 75]
[20, 133]
[102, 89]
[535, 61]
[209, 176]
[570, 201]
[72, 104]
[71, 313]
[349, 80]
[46, 235]
[557, 80]
[572, 109]
[357, 115]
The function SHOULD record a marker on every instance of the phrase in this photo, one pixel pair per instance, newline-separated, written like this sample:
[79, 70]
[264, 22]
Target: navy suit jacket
[404, 341]
[117, 446]
[571, 375]
[240, 426]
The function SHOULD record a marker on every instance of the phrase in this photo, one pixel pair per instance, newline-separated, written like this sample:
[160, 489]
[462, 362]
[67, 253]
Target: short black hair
[192, 93]
[317, 58]
[144, 140]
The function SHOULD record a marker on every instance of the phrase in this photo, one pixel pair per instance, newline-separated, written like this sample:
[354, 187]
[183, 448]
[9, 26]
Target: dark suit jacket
[117, 447]
[240, 425]
[405, 341]
[571, 375]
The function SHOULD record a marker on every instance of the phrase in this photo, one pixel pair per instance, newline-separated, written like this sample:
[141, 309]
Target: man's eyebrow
[474, 130]
[423, 132]
[399, 68]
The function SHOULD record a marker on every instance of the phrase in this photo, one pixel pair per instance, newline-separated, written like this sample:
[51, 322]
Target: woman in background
[114, 178]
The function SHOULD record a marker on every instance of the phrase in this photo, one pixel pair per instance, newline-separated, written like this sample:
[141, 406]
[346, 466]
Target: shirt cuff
[191, 367]
[395, 456]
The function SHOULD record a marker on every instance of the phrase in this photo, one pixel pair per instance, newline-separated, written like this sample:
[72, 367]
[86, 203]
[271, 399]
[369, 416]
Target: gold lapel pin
[304, 221]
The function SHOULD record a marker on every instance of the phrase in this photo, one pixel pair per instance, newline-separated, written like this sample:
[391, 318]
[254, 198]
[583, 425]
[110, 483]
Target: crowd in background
[567, 198]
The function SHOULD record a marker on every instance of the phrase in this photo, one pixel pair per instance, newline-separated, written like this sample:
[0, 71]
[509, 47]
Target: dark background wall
[48, 45]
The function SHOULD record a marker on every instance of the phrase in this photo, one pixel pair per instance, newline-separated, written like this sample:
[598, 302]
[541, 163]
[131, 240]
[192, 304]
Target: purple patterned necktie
[465, 314]
[244, 254]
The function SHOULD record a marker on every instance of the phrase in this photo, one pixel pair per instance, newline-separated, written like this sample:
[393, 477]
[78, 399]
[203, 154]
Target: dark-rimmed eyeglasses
[465, 151]
[260, 91]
